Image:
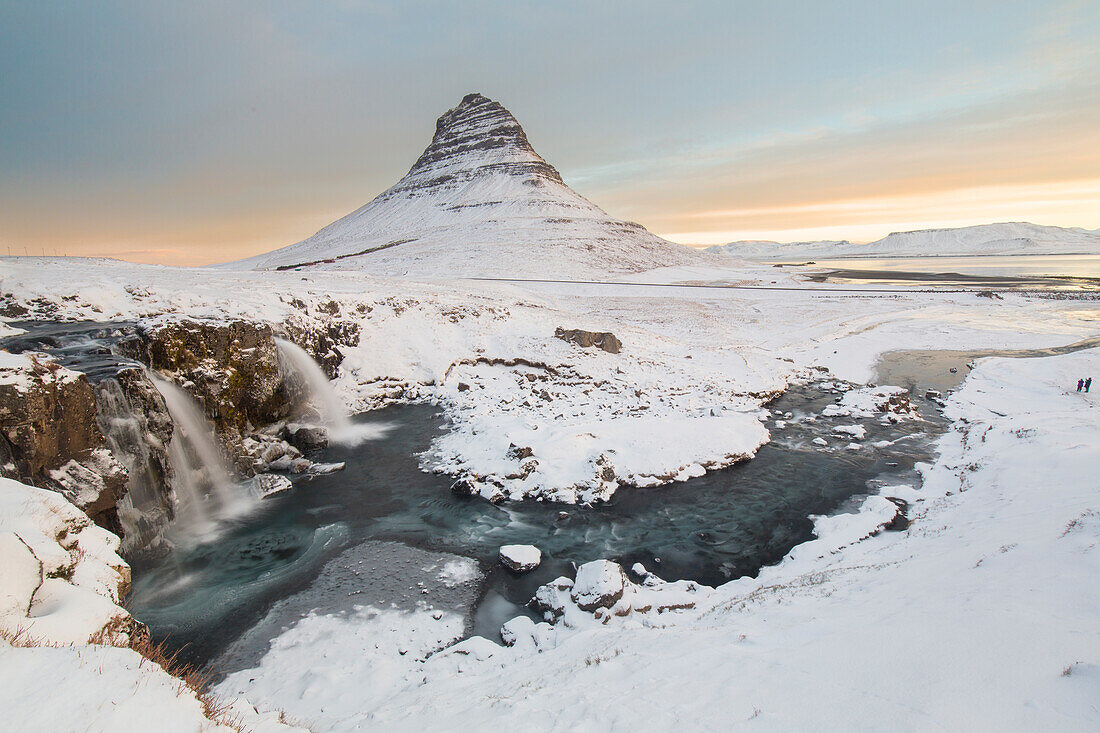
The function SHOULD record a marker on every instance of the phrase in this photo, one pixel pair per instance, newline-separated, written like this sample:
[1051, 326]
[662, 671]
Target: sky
[206, 131]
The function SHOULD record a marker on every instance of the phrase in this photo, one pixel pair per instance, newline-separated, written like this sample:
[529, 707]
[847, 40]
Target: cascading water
[299, 367]
[146, 509]
[204, 489]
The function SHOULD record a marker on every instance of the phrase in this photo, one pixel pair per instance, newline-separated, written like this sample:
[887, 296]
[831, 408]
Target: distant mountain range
[480, 201]
[1010, 238]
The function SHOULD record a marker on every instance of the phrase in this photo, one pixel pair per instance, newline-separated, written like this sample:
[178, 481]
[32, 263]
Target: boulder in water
[520, 558]
[268, 484]
[307, 437]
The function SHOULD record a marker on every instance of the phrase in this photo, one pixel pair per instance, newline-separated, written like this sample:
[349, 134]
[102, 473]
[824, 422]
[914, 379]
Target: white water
[204, 489]
[330, 409]
[143, 510]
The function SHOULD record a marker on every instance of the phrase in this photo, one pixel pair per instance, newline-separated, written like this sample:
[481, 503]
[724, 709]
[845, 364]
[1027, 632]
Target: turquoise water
[722, 525]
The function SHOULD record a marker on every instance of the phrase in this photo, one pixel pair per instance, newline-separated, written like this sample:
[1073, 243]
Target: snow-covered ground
[981, 615]
[1009, 238]
[902, 630]
[683, 394]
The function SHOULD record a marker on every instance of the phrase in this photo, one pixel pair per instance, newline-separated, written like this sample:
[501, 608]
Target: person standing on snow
[1080, 384]
[1088, 383]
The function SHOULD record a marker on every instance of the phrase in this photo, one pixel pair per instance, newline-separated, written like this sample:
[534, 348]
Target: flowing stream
[377, 532]
[722, 525]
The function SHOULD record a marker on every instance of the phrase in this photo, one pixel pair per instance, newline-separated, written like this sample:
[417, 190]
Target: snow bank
[61, 579]
[332, 670]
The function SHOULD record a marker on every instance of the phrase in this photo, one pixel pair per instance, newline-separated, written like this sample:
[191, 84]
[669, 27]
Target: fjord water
[725, 524]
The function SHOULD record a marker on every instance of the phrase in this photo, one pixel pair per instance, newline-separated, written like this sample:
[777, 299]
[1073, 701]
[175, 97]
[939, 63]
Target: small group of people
[1084, 383]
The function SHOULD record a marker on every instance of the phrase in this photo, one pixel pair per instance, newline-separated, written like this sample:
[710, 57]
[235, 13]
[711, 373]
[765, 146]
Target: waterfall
[204, 489]
[145, 510]
[298, 366]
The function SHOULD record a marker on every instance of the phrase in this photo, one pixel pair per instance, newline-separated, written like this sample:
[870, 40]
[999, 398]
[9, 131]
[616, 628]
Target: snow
[965, 620]
[649, 415]
[101, 688]
[63, 578]
[1010, 238]
[459, 572]
[67, 666]
[853, 431]
[520, 558]
[332, 670]
[463, 207]
[980, 615]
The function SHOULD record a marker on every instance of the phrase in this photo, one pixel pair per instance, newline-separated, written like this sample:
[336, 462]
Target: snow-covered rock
[520, 558]
[599, 584]
[852, 431]
[268, 484]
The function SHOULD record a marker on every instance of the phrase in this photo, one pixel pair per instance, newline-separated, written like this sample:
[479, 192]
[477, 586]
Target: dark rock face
[307, 437]
[477, 125]
[49, 438]
[231, 367]
[325, 342]
[605, 340]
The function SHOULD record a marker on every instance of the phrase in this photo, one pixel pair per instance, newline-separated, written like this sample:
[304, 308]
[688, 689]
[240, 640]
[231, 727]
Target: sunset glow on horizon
[204, 133]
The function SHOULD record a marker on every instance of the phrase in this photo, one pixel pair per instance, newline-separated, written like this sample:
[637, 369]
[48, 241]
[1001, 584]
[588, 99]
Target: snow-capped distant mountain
[1010, 238]
[480, 201]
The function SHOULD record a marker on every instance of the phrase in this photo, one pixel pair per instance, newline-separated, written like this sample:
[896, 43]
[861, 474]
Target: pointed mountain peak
[480, 135]
[480, 201]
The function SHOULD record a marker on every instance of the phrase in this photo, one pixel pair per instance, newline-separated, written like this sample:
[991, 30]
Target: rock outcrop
[603, 339]
[49, 436]
[520, 558]
[231, 367]
[328, 339]
[61, 578]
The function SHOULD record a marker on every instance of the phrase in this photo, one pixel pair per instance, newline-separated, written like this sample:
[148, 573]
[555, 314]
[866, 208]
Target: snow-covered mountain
[1010, 238]
[480, 201]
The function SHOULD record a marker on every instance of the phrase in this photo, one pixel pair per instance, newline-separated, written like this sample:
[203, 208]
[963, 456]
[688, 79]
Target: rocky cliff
[49, 436]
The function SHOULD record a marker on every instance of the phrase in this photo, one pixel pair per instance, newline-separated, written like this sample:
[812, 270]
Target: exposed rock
[464, 487]
[518, 454]
[231, 367]
[307, 438]
[49, 437]
[605, 339]
[325, 341]
[900, 521]
[520, 558]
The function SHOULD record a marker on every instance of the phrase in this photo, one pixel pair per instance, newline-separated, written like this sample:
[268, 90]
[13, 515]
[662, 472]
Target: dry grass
[20, 637]
[191, 677]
